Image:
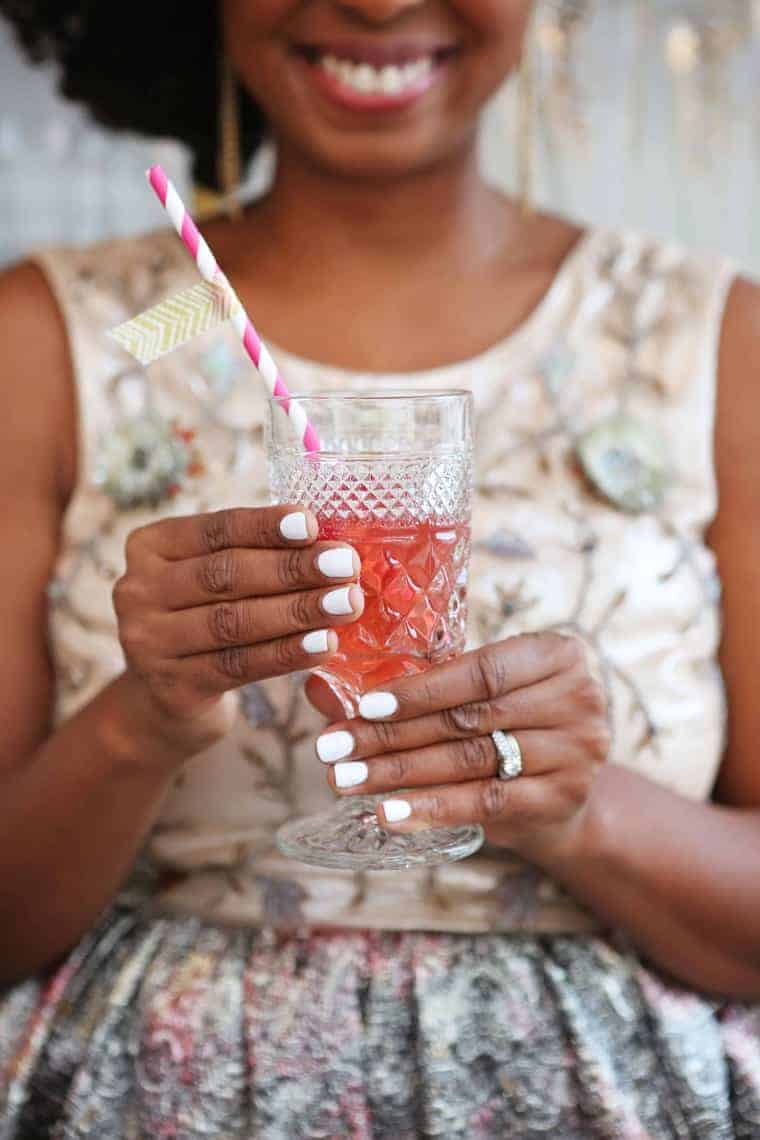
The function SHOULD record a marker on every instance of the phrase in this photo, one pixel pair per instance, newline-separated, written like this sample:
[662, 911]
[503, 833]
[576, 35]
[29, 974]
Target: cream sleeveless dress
[232, 992]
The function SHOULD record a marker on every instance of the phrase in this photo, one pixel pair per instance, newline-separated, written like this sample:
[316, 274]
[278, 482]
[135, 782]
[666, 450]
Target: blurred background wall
[646, 114]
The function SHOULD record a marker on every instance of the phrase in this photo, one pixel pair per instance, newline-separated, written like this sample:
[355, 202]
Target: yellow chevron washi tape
[174, 322]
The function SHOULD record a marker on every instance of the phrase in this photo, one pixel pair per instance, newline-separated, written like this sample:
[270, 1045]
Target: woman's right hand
[209, 603]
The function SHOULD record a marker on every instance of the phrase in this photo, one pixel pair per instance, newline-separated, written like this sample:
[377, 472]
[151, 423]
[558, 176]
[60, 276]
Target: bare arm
[74, 808]
[208, 603]
[684, 879]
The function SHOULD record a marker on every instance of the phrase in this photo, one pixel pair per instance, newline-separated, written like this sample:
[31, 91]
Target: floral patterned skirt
[166, 1027]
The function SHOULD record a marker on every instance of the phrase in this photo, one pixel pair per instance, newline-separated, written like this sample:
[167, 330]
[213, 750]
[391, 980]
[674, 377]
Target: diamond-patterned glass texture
[408, 489]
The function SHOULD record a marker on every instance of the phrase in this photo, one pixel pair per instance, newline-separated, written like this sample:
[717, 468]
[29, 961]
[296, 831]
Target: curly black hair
[146, 68]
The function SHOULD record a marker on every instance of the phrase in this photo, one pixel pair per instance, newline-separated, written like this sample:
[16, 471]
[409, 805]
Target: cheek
[500, 19]
[246, 17]
[254, 34]
[497, 30]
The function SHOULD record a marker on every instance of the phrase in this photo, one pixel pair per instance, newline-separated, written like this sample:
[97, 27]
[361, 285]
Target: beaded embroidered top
[575, 527]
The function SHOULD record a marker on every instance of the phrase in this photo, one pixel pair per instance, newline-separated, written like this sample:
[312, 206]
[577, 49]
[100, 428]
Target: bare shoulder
[36, 378]
[37, 445]
[737, 428]
[739, 360]
[735, 537]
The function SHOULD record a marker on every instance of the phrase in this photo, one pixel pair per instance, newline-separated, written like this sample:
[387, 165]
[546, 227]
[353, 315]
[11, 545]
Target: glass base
[349, 837]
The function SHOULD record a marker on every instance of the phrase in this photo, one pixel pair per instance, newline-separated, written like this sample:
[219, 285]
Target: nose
[379, 11]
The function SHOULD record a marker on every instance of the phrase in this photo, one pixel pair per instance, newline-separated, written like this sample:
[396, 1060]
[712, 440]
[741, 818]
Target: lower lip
[376, 102]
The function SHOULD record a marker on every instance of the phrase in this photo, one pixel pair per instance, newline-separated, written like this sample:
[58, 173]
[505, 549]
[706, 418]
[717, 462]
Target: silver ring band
[510, 755]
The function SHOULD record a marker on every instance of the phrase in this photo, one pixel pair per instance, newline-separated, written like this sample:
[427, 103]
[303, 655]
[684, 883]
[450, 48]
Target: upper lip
[376, 52]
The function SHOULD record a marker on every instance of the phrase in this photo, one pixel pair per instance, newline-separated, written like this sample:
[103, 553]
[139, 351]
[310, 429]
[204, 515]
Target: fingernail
[337, 563]
[338, 603]
[396, 810]
[350, 775]
[294, 527]
[332, 746]
[316, 641]
[374, 706]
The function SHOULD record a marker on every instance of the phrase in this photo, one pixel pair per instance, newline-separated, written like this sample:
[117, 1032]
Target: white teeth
[391, 80]
[421, 69]
[364, 77]
[368, 80]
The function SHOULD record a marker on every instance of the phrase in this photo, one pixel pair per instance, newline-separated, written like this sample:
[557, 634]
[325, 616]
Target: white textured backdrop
[63, 179]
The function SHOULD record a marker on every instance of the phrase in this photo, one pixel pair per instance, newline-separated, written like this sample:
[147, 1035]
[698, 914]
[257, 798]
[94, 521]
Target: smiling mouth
[378, 72]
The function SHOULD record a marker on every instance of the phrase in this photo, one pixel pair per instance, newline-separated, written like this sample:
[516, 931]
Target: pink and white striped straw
[210, 271]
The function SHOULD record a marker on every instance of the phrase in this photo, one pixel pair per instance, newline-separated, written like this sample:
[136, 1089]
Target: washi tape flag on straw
[176, 321]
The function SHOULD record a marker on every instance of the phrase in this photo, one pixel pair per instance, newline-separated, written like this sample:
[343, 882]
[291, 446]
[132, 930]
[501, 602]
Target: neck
[446, 214]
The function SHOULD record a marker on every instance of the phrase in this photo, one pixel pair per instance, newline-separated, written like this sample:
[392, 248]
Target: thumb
[323, 698]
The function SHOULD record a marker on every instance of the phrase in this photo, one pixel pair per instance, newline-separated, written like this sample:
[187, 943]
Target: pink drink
[393, 478]
[415, 585]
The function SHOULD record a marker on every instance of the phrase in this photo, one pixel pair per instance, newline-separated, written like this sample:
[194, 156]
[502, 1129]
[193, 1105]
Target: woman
[166, 971]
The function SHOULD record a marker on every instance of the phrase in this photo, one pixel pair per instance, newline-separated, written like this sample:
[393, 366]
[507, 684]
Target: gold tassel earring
[229, 162]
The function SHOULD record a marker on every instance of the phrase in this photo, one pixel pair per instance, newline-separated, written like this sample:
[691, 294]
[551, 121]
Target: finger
[547, 704]
[523, 802]
[243, 573]
[253, 621]
[232, 668]
[481, 675]
[195, 535]
[452, 762]
[322, 697]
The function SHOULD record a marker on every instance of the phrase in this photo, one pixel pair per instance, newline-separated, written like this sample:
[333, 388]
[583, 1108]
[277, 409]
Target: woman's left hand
[431, 734]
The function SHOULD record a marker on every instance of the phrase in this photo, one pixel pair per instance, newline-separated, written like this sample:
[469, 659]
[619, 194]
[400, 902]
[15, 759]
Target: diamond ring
[510, 755]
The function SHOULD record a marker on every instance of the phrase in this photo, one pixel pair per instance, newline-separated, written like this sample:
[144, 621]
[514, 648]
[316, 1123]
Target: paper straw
[210, 271]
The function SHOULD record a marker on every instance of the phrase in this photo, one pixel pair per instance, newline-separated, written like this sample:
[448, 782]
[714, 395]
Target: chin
[381, 158]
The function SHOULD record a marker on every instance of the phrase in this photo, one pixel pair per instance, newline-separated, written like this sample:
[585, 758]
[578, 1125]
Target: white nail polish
[338, 602]
[375, 706]
[332, 746]
[350, 775]
[316, 641]
[336, 563]
[294, 528]
[396, 810]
